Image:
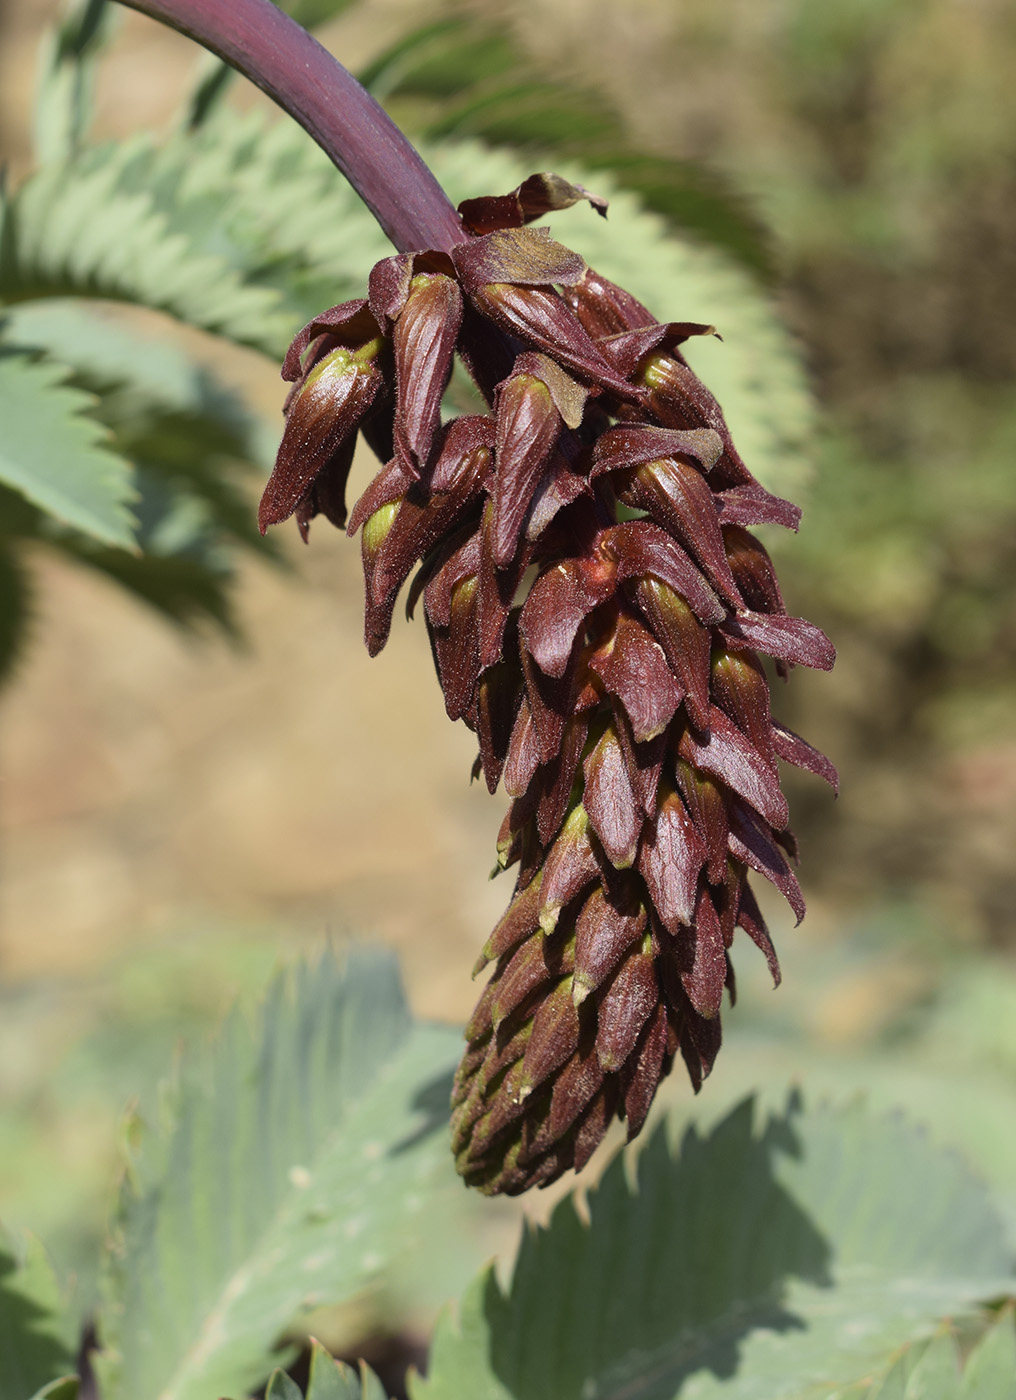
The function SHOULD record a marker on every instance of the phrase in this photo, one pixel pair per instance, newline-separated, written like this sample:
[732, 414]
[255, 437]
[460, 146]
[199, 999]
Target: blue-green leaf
[300, 1170]
[36, 1331]
[53, 452]
[752, 1264]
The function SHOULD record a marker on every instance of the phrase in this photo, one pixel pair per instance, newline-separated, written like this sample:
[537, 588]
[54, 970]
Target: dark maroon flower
[599, 614]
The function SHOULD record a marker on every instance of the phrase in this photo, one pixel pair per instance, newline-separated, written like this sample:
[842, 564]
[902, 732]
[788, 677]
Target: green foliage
[936, 1370]
[63, 99]
[463, 77]
[53, 452]
[811, 1254]
[787, 1261]
[118, 224]
[184, 449]
[308, 1160]
[329, 1380]
[35, 1347]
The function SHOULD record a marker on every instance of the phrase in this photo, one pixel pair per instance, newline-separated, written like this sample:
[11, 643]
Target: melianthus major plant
[595, 603]
[597, 609]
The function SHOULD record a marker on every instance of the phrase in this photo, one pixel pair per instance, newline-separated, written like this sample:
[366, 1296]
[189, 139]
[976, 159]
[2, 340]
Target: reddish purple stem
[283, 60]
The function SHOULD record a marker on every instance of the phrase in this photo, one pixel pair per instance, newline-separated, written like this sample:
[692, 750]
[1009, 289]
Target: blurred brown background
[154, 789]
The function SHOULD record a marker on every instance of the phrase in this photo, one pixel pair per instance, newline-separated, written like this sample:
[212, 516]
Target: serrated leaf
[990, 1372]
[95, 227]
[63, 96]
[936, 1373]
[330, 1379]
[311, 1159]
[767, 1264]
[35, 1331]
[168, 415]
[110, 352]
[52, 451]
[282, 1387]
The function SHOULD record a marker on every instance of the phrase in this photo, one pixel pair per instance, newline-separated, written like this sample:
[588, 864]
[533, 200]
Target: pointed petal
[708, 810]
[424, 340]
[574, 1089]
[679, 399]
[677, 498]
[753, 505]
[644, 1070]
[555, 1036]
[670, 862]
[753, 569]
[610, 801]
[704, 959]
[634, 668]
[787, 638]
[523, 753]
[631, 445]
[628, 349]
[499, 692]
[684, 640]
[749, 917]
[641, 548]
[558, 603]
[570, 867]
[536, 962]
[328, 407]
[498, 588]
[559, 779]
[548, 702]
[528, 426]
[326, 494]
[541, 320]
[624, 1009]
[603, 935]
[518, 922]
[751, 844]
[728, 755]
[558, 487]
[455, 651]
[603, 307]
[597, 1119]
[739, 687]
[793, 749]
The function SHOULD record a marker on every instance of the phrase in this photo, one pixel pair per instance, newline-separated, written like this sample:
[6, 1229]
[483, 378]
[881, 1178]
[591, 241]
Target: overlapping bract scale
[599, 614]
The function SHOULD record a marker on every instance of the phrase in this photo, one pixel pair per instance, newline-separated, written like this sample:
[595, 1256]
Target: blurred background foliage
[852, 161]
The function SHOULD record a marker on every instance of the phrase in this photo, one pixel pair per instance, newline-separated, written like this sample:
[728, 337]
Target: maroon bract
[598, 612]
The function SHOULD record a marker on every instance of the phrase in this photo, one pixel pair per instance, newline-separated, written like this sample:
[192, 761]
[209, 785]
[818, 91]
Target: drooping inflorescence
[597, 610]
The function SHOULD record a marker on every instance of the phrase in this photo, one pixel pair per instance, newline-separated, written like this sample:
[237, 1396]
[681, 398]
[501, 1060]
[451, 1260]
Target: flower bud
[424, 337]
[325, 410]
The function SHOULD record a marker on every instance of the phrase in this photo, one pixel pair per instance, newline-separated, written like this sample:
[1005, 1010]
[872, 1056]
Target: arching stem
[284, 61]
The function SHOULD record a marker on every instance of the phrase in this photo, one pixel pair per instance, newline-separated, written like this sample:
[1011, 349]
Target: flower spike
[598, 612]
